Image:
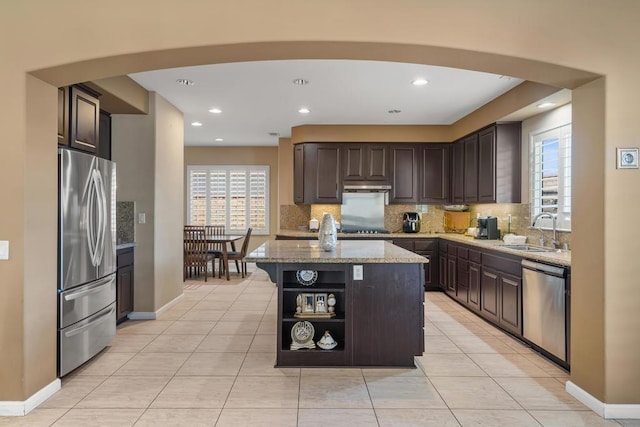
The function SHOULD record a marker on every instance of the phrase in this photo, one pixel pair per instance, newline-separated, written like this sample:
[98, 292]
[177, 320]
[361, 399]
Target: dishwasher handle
[544, 268]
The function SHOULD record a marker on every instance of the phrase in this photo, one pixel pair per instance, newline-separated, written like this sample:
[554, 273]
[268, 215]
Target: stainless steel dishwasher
[544, 307]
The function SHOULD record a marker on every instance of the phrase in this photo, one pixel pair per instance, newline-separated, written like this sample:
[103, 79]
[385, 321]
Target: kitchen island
[359, 305]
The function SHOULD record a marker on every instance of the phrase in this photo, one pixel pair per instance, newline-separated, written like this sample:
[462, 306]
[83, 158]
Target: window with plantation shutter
[550, 165]
[234, 196]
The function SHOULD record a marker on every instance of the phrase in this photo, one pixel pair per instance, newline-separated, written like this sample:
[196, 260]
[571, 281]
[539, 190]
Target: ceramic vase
[328, 235]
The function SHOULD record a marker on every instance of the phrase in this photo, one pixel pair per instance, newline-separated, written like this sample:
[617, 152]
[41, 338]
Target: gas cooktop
[365, 231]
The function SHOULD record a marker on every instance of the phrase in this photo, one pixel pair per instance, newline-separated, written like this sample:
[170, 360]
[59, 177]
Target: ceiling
[259, 98]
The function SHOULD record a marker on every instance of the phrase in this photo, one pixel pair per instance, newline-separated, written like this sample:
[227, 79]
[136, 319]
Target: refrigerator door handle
[102, 213]
[96, 288]
[89, 216]
[101, 318]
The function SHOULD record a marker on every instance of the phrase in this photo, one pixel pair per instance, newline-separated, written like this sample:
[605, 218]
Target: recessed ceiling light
[274, 134]
[419, 82]
[300, 82]
[196, 124]
[219, 139]
[304, 110]
[185, 82]
[546, 104]
[394, 111]
[215, 111]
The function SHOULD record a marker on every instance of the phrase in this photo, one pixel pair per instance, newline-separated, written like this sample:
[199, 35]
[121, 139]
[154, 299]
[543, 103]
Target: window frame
[563, 219]
[227, 169]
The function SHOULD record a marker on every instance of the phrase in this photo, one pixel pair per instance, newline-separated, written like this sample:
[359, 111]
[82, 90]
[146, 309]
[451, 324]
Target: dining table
[223, 240]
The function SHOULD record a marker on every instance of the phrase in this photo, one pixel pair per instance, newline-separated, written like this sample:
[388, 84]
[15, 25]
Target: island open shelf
[378, 313]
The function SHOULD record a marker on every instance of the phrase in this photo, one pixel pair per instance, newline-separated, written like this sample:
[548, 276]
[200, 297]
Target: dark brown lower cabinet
[510, 303]
[379, 320]
[489, 294]
[124, 284]
[474, 286]
[428, 248]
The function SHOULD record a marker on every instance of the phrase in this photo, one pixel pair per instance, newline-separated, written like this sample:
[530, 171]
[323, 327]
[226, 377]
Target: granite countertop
[125, 246]
[559, 258]
[346, 252]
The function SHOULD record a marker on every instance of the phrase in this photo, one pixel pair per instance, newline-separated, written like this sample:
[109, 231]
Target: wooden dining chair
[214, 249]
[195, 252]
[239, 256]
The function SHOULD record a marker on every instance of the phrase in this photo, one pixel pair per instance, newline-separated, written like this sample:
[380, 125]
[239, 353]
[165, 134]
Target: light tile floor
[208, 361]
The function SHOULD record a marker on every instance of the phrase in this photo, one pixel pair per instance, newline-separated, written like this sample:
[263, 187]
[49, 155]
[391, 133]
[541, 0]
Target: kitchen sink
[528, 248]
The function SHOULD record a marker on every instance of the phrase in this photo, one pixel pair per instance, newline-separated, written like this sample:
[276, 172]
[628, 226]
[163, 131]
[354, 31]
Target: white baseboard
[605, 410]
[153, 315]
[21, 408]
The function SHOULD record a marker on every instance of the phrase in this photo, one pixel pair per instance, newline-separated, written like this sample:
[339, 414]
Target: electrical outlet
[4, 249]
[357, 272]
[142, 218]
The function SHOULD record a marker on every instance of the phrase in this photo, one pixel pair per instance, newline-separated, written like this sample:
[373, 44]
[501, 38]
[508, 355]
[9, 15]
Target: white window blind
[550, 166]
[234, 196]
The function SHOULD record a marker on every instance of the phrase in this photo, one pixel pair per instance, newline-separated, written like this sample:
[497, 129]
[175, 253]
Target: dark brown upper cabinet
[366, 162]
[457, 172]
[486, 165]
[63, 116]
[499, 163]
[404, 173]
[322, 175]
[434, 174]
[471, 169]
[79, 118]
[84, 129]
[298, 173]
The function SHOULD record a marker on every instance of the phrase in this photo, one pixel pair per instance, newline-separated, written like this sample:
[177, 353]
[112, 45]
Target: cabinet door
[474, 286]
[377, 162]
[104, 147]
[510, 303]
[124, 293]
[404, 177]
[457, 174]
[487, 165]
[63, 116]
[322, 177]
[388, 291]
[442, 269]
[489, 294]
[462, 276]
[85, 120]
[471, 169]
[354, 162]
[298, 173]
[434, 174]
[451, 274]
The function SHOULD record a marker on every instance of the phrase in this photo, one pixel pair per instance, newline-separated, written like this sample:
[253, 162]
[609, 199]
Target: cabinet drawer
[425, 244]
[475, 256]
[463, 253]
[125, 257]
[452, 250]
[405, 244]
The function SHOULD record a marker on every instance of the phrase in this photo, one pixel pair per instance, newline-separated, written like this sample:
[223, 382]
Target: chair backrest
[245, 244]
[214, 230]
[195, 246]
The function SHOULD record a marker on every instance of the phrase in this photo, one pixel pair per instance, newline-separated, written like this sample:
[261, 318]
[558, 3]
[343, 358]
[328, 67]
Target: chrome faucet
[554, 218]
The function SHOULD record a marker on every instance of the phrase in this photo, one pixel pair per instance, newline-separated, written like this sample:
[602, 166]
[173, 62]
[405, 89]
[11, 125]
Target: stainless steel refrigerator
[86, 257]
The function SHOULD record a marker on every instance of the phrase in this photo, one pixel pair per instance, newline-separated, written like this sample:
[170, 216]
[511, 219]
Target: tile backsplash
[125, 224]
[432, 220]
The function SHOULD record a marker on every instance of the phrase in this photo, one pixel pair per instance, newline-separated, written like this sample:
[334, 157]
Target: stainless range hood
[366, 187]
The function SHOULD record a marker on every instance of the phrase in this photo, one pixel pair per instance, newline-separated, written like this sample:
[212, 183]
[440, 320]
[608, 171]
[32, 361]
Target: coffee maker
[488, 228]
[410, 222]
